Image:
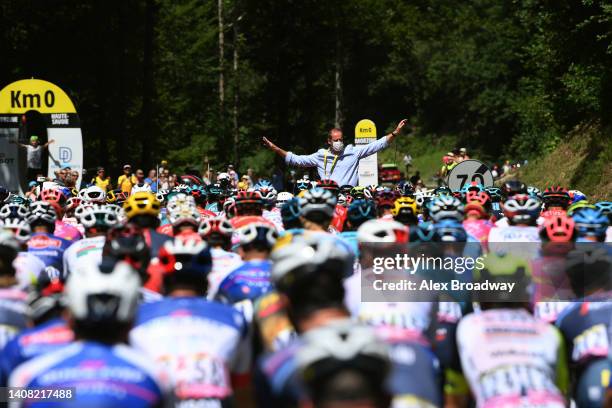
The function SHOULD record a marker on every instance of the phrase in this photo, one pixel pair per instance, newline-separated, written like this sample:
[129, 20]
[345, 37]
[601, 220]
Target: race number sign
[60, 119]
[467, 172]
[365, 132]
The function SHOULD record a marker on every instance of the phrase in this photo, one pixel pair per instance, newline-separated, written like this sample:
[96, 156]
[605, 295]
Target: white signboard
[467, 172]
[365, 132]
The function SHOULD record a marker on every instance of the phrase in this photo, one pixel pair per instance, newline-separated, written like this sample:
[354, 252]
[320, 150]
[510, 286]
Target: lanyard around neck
[333, 166]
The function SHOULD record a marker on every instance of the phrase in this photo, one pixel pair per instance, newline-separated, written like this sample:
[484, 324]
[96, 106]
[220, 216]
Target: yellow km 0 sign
[365, 128]
[34, 94]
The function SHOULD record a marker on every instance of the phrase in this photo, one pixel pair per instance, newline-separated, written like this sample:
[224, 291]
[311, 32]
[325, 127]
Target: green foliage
[506, 78]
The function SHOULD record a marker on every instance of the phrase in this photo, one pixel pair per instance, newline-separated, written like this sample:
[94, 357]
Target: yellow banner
[365, 128]
[34, 94]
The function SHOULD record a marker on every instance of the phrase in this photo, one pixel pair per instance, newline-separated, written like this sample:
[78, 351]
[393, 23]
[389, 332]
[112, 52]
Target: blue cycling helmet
[422, 232]
[360, 211]
[472, 187]
[606, 208]
[591, 223]
[449, 231]
[576, 195]
[495, 193]
[290, 213]
[534, 192]
[261, 183]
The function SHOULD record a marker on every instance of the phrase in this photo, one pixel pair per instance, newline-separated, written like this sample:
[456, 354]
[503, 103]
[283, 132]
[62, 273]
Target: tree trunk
[148, 138]
[339, 119]
[221, 58]
[236, 94]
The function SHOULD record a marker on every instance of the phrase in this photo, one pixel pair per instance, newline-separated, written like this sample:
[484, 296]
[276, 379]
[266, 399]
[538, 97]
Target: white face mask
[338, 145]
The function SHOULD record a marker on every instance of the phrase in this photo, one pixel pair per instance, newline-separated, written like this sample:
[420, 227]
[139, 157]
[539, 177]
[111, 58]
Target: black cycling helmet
[512, 187]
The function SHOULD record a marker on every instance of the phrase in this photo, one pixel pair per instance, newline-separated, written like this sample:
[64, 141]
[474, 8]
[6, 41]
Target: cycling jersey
[45, 338]
[274, 216]
[479, 229]
[551, 287]
[50, 250]
[415, 375]
[204, 213]
[223, 263]
[154, 240]
[249, 281]
[277, 378]
[13, 313]
[337, 222]
[197, 343]
[73, 222]
[512, 359]
[524, 241]
[585, 326]
[85, 251]
[274, 330]
[27, 268]
[102, 376]
[66, 231]
[165, 229]
[351, 238]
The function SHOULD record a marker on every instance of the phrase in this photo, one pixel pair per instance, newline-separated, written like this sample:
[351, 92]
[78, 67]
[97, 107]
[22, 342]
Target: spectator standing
[233, 175]
[34, 155]
[101, 179]
[152, 180]
[127, 180]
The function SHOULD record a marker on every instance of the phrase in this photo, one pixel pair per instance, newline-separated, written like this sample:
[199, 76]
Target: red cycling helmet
[556, 196]
[248, 203]
[480, 196]
[330, 185]
[217, 232]
[558, 228]
[54, 197]
[385, 198]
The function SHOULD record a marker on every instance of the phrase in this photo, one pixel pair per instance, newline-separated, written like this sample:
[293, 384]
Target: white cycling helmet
[423, 196]
[318, 200]
[282, 198]
[309, 251]
[223, 176]
[94, 295]
[20, 228]
[13, 210]
[255, 231]
[141, 187]
[42, 211]
[377, 230]
[346, 343]
[93, 194]
[98, 216]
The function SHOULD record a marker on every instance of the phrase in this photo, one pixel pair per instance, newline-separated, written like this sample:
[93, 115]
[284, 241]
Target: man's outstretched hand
[400, 125]
[273, 147]
[268, 143]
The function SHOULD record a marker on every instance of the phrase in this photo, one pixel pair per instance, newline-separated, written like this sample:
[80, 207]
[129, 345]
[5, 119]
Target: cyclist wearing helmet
[521, 212]
[97, 220]
[43, 243]
[50, 332]
[290, 214]
[338, 163]
[343, 364]
[27, 265]
[337, 222]
[404, 326]
[58, 201]
[250, 280]
[211, 337]
[476, 221]
[317, 209]
[385, 201]
[586, 324]
[556, 200]
[102, 301]
[217, 232]
[405, 211]
[142, 211]
[591, 225]
[183, 216]
[269, 195]
[307, 273]
[13, 307]
[558, 235]
[358, 212]
[500, 370]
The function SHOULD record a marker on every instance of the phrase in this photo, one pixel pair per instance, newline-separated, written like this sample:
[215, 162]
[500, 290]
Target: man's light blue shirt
[346, 169]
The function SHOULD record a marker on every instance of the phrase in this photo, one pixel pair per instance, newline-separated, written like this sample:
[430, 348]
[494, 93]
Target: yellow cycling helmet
[404, 202]
[141, 203]
[111, 197]
[301, 193]
[579, 205]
